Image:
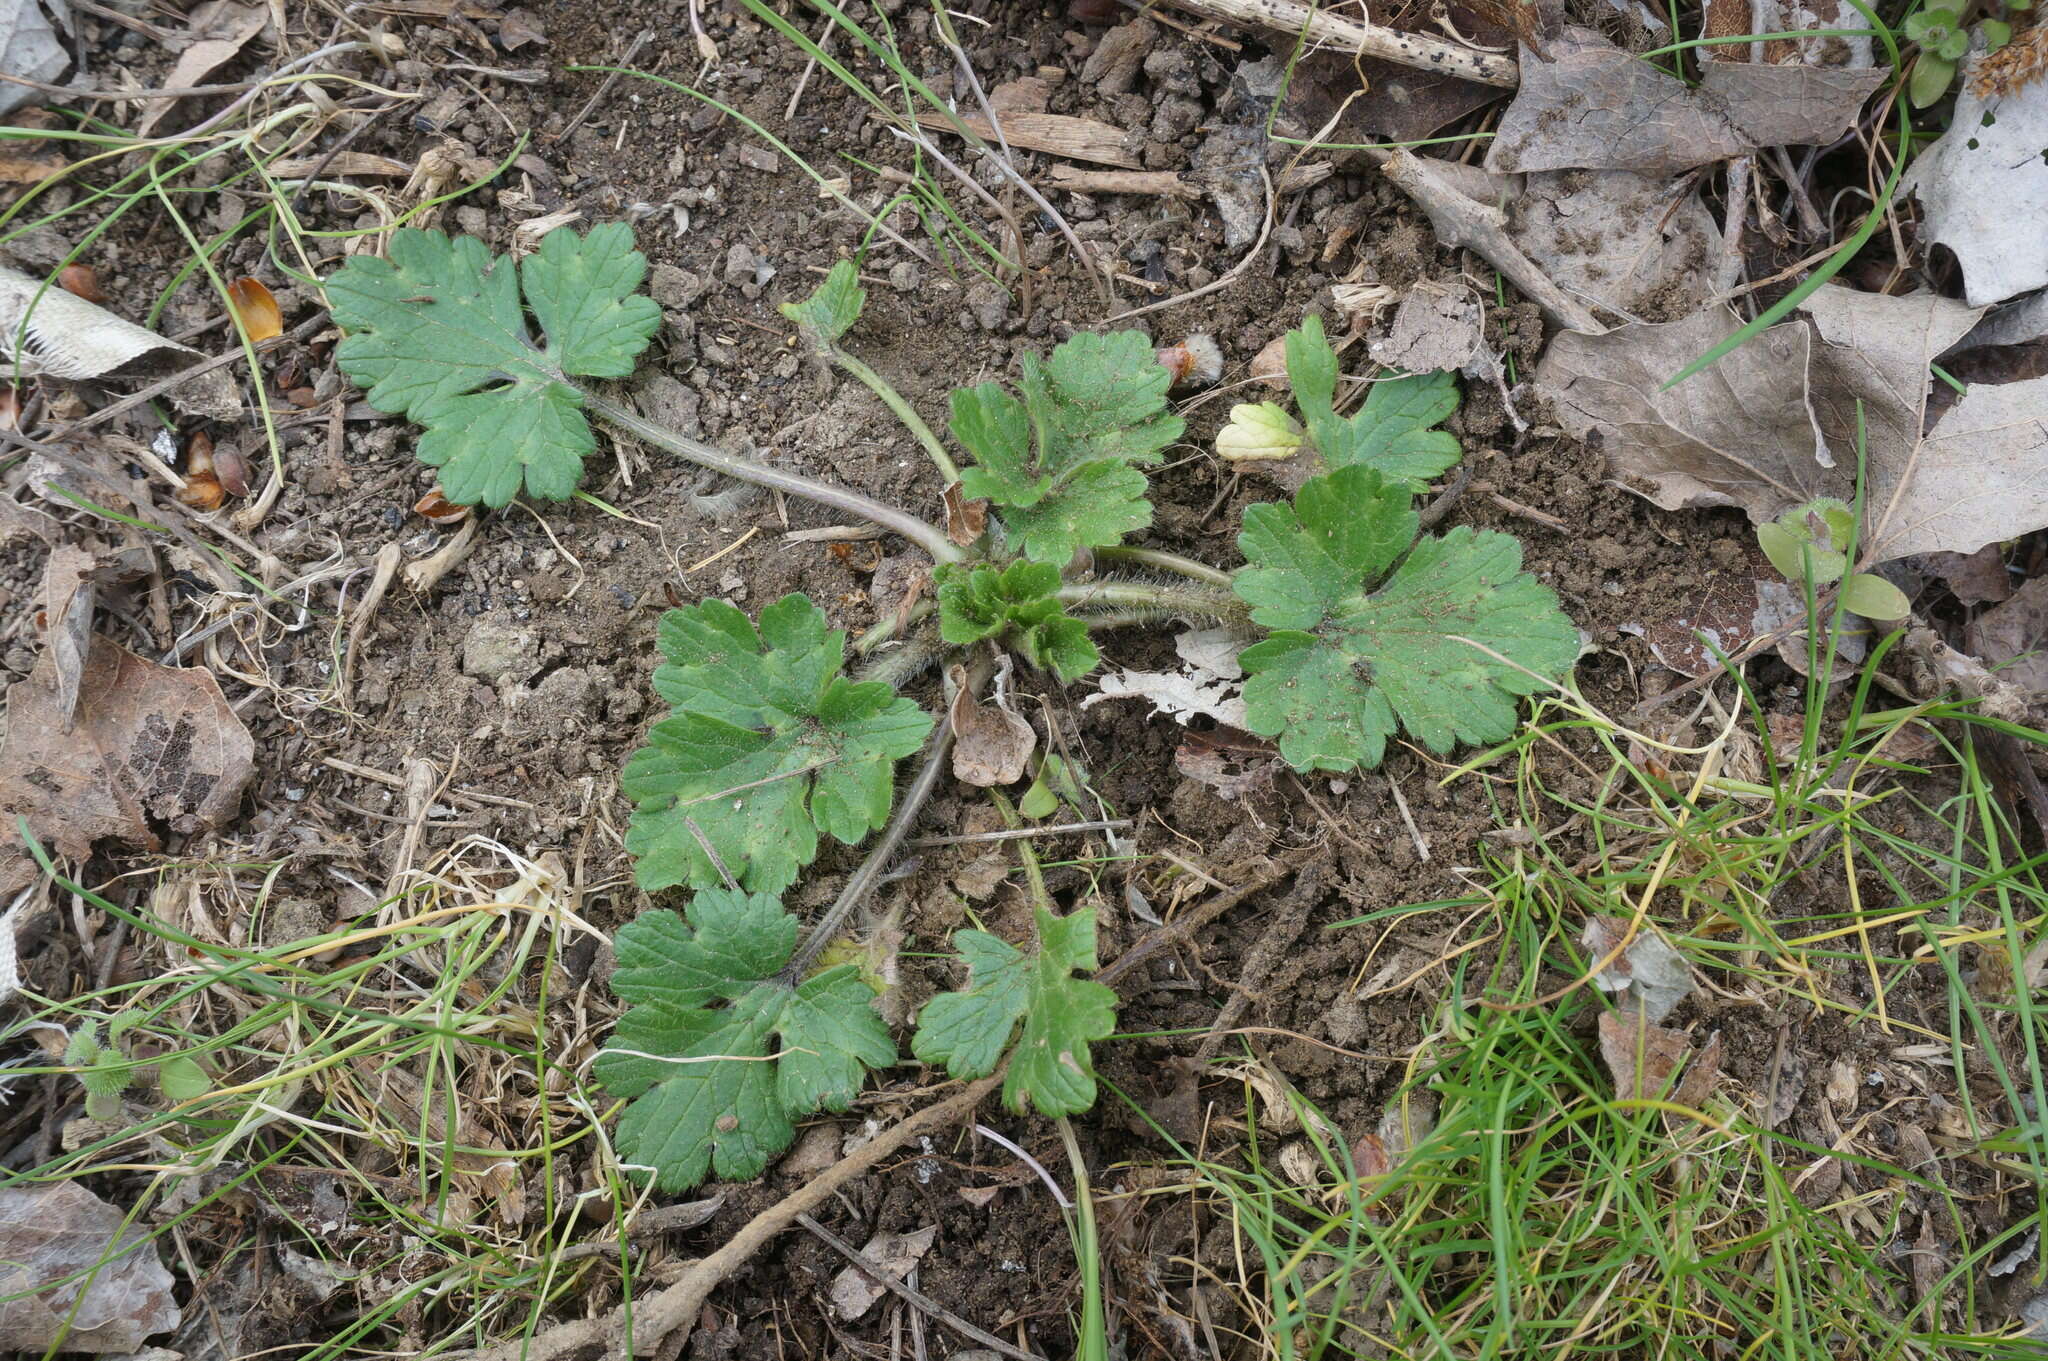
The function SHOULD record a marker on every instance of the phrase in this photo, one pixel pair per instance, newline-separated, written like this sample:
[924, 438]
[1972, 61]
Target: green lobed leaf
[438, 332]
[1392, 432]
[1352, 658]
[718, 1088]
[832, 308]
[1052, 1070]
[1017, 604]
[766, 747]
[1062, 463]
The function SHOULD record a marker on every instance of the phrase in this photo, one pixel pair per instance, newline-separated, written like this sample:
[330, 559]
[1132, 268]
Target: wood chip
[1078, 139]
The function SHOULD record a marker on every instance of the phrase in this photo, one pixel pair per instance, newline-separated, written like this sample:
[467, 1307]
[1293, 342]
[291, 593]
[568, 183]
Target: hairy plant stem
[1166, 562]
[894, 400]
[1143, 595]
[927, 536]
[870, 871]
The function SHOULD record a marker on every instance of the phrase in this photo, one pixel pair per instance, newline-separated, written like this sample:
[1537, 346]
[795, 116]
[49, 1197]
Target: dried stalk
[1320, 26]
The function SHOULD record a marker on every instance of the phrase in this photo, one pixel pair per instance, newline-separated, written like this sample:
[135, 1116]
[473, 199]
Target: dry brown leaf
[65, 336]
[222, 28]
[1437, 326]
[1641, 1056]
[992, 745]
[1740, 433]
[518, 29]
[1697, 1083]
[1979, 477]
[1983, 185]
[1642, 246]
[966, 520]
[1719, 606]
[1593, 106]
[854, 1292]
[1876, 350]
[69, 594]
[1650, 975]
[2012, 638]
[1056, 134]
[152, 746]
[75, 1279]
[1232, 763]
[1978, 578]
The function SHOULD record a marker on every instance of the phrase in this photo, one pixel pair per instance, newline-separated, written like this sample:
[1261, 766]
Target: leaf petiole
[897, 404]
[927, 536]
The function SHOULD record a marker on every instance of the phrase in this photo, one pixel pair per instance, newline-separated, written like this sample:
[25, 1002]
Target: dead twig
[678, 1306]
[916, 1298]
[1181, 927]
[1369, 40]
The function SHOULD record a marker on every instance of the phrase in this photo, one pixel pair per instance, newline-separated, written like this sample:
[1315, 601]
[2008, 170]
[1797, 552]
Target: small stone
[905, 276]
[754, 156]
[676, 288]
[472, 220]
[498, 650]
[989, 304]
[740, 264]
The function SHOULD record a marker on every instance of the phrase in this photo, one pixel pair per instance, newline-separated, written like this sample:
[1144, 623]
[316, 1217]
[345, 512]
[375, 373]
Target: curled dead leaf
[151, 747]
[254, 309]
[437, 508]
[992, 745]
[80, 1278]
[966, 520]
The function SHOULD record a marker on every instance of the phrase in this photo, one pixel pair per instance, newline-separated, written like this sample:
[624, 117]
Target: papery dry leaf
[518, 29]
[1877, 351]
[254, 309]
[1739, 433]
[1652, 975]
[1719, 607]
[2012, 638]
[32, 46]
[1437, 326]
[150, 745]
[1642, 246]
[1701, 1075]
[1181, 695]
[76, 1279]
[1983, 187]
[1593, 106]
[992, 745]
[854, 1292]
[966, 520]
[221, 29]
[68, 337]
[1977, 578]
[1234, 764]
[69, 594]
[1979, 477]
[1641, 1056]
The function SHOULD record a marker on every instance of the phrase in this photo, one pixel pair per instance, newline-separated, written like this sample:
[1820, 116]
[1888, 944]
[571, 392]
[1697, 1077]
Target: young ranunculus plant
[783, 733]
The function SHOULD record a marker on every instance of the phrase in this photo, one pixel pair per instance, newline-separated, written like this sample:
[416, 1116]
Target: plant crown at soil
[1368, 628]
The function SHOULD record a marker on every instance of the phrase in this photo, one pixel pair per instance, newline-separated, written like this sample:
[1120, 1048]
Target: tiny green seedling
[1367, 627]
[1812, 541]
[1945, 38]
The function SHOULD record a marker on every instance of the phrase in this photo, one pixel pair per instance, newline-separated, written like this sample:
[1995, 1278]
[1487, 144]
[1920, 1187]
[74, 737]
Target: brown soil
[525, 675]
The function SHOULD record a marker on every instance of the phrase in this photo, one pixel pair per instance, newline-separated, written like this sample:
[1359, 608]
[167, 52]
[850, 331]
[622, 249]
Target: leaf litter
[79, 1276]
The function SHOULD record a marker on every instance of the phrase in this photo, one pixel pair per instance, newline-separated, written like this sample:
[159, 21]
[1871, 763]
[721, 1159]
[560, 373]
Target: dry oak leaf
[150, 746]
[1739, 433]
[71, 1278]
[1593, 106]
[1985, 180]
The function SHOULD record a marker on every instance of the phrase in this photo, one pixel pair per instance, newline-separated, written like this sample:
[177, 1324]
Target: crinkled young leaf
[1019, 605]
[832, 308]
[438, 332]
[1052, 1071]
[1351, 658]
[1061, 465]
[718, 1088]
[767, 746]
[1391, 433]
